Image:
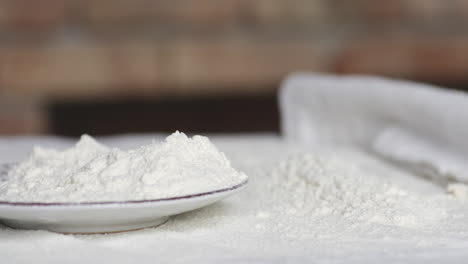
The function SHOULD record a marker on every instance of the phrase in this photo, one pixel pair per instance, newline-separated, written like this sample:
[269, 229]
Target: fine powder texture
[90, 172]
[307, 185]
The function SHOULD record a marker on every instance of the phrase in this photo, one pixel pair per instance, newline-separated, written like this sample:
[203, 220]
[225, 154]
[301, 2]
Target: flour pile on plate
[92, 172]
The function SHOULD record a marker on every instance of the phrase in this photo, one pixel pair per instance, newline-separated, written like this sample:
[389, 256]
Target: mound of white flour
[91, 172]
[310, 186]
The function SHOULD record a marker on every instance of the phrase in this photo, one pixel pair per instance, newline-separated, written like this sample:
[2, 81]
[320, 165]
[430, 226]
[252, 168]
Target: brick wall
[74, 50]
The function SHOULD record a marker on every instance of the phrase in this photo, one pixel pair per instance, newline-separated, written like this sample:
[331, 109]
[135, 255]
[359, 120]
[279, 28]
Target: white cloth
[419, 126]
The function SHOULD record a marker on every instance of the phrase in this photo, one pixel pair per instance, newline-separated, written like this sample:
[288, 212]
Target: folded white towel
[426, 156]
[418, 124]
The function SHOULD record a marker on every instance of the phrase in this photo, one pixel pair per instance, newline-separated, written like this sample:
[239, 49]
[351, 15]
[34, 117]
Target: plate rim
[126, 202]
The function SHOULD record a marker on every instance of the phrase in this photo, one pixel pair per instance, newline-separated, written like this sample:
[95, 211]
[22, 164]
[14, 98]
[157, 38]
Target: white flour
[93, 172]
[322, 205]
[307, 185]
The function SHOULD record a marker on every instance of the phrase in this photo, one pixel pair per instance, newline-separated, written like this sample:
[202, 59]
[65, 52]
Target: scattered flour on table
[90, 171]
[309, 185]
[324, 204]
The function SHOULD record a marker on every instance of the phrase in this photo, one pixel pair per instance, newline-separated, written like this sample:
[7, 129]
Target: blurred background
[108, 66]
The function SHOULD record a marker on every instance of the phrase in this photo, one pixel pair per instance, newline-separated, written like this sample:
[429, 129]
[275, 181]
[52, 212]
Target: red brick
[402, 11]
[238, 63]
[108, 11]
[204, 13]
[430, 59]
[159, 12]
[287, 12]
[19, 15]
[187, 66]
[21, 114]
[78, 68]
[433, 9]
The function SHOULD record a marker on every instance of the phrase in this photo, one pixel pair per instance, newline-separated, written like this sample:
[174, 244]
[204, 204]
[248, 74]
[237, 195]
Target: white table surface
[225, 232]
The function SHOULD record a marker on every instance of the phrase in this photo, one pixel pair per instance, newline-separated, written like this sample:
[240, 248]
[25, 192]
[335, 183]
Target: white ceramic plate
[104, 217]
